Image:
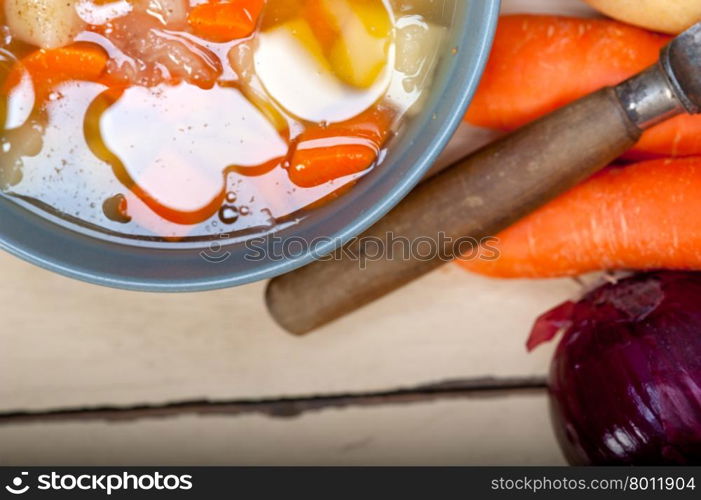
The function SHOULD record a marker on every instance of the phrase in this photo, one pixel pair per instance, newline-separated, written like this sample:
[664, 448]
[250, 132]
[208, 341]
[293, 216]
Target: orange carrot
[225, 21]
[643, 216]
[680, 136]
[325, 153]
[540, 63]
[50, 67]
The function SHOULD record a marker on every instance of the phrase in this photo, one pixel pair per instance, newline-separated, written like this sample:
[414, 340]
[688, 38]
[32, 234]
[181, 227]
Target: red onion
[625, 382]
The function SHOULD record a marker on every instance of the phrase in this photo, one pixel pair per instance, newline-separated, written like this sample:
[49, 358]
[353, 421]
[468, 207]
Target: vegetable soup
[176, 120]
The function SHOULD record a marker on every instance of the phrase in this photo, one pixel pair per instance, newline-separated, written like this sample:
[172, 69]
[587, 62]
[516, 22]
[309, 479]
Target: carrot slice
[540, 63]
[225, 21]
[319, 165]
[644, 216]
[50, 67]
[325, 153]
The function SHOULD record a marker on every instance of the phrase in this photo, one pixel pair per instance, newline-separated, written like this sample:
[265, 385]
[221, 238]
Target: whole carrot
[643, 216]
[540, 63]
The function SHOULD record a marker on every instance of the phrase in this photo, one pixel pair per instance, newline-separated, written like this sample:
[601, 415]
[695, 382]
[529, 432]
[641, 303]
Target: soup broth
[177, 120]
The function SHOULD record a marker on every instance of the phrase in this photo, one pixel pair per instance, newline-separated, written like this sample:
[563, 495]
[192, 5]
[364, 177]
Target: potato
[44, 23]
[418, 47]
[355, 36]
[18, 143]
[669, 16]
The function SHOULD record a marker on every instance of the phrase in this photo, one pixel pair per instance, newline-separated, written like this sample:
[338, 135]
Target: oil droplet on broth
[228, 214]
[115, 209]
[268, 218]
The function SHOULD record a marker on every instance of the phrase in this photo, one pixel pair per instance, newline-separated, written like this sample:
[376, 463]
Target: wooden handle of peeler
[476, 197]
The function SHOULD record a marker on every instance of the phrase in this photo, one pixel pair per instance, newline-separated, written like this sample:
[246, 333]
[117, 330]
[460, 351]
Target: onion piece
[155, 55]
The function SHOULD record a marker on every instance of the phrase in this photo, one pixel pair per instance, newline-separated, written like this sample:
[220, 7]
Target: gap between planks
[289, 407]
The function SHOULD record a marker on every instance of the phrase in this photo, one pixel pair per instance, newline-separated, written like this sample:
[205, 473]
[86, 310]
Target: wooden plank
[281, 407]
[66, 343]
[483, 431]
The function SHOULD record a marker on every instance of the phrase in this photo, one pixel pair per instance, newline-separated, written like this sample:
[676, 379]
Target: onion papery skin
[625, 381]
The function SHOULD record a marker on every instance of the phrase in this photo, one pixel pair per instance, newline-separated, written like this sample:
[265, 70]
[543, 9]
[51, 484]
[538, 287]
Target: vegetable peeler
[484, 193]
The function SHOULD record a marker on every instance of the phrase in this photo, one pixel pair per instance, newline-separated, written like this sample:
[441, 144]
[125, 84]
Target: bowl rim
[51, 258]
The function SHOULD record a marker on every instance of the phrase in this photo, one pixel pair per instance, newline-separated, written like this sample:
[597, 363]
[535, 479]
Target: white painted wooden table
[66, 345]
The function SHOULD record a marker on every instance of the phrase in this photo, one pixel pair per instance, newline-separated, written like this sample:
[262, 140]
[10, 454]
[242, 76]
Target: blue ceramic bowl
[232, 262]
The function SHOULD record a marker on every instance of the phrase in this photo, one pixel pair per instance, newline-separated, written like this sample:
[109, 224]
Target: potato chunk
[418, 50]
[418, 46]
[669, 16]
[44, 23]
[355, 35]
